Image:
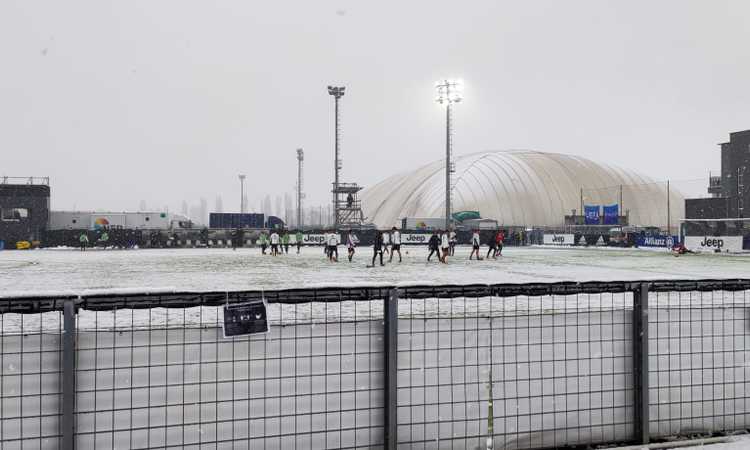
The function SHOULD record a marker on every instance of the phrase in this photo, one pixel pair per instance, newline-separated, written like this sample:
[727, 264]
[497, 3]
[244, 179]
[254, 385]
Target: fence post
[390, 329]
[640, 364]
[68, 375]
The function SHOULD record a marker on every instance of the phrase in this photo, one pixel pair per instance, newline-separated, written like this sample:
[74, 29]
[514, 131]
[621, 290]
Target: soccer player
[298, 237]
[395, 244]
[475, 243]
[275, 243]
[351, 242]
[493, 248]
[452, 241]
[377, 248]
[333, 247]
[263, 242]
[285, 242]
[84, 240]
[499, 241]
[434, 245]
[445, 244]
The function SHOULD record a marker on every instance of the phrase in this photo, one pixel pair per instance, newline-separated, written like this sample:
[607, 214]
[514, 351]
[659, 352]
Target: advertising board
[660, 240]
[714, 243]
[559, 239]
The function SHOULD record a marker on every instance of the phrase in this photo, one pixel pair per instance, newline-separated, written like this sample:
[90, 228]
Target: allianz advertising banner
[714, 243]
[559, 239]
[660, 240]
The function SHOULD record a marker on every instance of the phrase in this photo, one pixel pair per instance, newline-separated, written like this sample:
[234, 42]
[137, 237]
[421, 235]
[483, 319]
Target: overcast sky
[119, 101]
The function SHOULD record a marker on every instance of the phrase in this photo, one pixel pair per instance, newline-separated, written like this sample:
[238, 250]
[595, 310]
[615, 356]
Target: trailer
[98, 220]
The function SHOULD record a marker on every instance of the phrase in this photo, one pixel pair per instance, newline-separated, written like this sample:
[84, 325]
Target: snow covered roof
[520, 187]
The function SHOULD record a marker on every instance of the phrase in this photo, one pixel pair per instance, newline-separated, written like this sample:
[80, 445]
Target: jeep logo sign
[415, 238]
[717, 243]
[559, 239]
[315, 239]
[714, 243]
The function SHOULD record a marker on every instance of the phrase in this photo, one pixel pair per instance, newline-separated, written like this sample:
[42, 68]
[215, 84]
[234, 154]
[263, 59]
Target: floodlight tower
[448, 93]
[300, 195]
[242, 193]
[337, 92]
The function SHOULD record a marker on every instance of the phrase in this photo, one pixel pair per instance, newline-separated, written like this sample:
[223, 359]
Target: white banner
[714, 243]
[416, 238]
[559, 239]
[315, 239]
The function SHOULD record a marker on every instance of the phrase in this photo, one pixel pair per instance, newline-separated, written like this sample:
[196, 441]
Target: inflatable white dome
[520, 188]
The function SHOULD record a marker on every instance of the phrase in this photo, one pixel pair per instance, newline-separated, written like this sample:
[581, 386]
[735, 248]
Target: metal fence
[526, 366]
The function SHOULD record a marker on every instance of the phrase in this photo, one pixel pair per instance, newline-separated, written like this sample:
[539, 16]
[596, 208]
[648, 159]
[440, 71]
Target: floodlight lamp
[449, 91]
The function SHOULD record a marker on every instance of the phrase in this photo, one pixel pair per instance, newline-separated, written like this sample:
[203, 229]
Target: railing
[524, 366]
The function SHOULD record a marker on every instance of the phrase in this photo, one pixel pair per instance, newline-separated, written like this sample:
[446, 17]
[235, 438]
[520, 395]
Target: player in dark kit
[433, 244]
[377, 248]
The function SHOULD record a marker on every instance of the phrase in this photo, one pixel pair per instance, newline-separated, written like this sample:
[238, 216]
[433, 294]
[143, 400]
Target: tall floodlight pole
[300, 160]
[242, 194]
[448, 93]
[337, 92]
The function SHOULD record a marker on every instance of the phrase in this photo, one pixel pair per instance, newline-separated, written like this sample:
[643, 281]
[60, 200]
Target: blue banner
[591, 213]
[656, 240]
[611, 214]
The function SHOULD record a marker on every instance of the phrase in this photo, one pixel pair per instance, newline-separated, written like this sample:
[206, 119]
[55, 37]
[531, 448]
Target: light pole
[242, 194]
[300, 160]
[337, 92]
[448, 93]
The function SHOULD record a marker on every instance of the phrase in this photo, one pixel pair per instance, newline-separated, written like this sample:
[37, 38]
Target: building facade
[730, 191]
[24, 209]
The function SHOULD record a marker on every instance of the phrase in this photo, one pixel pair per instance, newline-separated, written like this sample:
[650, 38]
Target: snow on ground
[55, 270]
[735, 443]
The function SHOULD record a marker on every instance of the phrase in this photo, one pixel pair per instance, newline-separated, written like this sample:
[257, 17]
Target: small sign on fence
[245, 318]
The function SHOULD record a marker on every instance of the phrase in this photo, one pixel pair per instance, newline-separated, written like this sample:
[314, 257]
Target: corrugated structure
[521, 188]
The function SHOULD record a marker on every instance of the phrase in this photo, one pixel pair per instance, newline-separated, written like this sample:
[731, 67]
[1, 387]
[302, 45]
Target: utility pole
[669, 213]
[300, 195]
[242, 194]
[448, 93]
[583, 214]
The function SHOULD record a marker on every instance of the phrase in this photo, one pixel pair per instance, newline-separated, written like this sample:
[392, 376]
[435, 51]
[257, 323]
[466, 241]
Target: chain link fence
[526, 366]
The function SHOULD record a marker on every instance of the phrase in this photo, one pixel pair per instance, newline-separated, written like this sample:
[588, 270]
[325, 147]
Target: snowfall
[73, 271]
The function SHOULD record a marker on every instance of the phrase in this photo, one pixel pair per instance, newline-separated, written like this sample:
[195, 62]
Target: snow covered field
[224, 269]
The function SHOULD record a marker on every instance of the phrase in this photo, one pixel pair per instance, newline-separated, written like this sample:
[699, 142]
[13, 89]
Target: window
[14, 214]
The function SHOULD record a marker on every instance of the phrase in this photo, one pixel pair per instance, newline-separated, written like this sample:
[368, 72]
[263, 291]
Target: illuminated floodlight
[449, 91]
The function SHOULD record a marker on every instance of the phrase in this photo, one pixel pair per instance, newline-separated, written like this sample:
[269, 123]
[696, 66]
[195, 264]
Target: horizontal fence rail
[511, 366]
